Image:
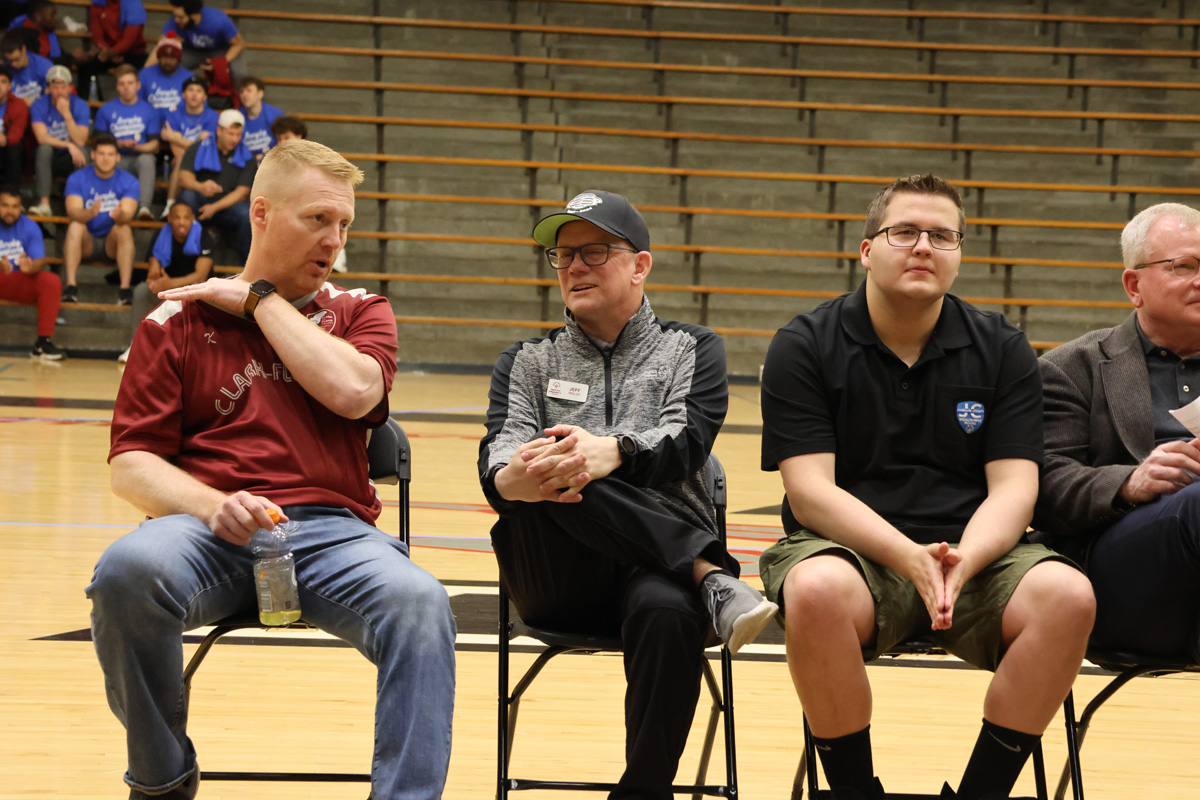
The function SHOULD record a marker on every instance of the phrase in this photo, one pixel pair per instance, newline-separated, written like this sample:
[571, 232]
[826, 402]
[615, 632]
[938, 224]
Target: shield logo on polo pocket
[970, 415]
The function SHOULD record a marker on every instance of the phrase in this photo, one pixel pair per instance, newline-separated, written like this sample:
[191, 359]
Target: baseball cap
[58, 73]
[607, 211]
[230, 117]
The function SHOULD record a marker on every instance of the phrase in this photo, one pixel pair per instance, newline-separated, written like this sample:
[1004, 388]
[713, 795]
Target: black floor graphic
[770, 510]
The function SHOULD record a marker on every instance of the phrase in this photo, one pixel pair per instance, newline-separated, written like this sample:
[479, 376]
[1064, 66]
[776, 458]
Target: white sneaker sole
[748, 626]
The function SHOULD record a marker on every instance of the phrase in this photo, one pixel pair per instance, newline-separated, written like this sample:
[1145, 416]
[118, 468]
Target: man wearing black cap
[594, 457]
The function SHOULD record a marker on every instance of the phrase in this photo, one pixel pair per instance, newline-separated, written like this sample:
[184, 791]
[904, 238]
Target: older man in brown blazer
[1118, 490]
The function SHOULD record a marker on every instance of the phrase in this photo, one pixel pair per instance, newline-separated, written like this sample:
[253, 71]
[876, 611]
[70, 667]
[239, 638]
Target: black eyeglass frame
[888, 232]
[607, 254]
[1191, 273]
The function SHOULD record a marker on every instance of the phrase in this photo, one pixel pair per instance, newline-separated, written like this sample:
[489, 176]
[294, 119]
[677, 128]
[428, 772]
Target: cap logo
[583, 202]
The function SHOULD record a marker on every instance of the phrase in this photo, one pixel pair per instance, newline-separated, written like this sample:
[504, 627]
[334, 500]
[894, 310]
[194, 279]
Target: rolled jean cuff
[166, 787]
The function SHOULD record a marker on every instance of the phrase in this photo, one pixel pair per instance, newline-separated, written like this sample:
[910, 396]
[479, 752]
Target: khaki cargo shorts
[900, 613]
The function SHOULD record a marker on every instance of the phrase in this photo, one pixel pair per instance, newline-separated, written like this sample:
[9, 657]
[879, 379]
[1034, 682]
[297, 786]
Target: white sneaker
[72, 26]
[166, 212]
[121, 359]
[145, 214]
[40, 210]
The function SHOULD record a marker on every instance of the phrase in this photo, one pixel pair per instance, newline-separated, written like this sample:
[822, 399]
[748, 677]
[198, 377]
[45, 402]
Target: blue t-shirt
[29, 83]
[164, 92]
[112, 190]
[138, 121]
[52, 38]
[191, 125]
[257, 133]
[23, 238]
[43, 111]
[214, 31]
[132, 12]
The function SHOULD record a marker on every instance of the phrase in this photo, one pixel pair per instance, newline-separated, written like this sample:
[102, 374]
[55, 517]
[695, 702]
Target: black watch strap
[258, 290]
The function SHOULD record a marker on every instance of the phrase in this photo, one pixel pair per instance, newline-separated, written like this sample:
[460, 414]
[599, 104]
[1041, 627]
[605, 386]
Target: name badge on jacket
[566, 390]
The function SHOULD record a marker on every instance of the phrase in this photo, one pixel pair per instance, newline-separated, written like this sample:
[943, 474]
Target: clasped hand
[558, 466]
[939, 572]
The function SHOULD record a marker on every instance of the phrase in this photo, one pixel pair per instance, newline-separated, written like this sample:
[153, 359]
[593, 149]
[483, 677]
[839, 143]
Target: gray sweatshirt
[662, 383]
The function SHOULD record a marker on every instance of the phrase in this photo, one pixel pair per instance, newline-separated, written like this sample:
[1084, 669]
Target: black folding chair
[1126, 667]
[807, 770]
[558, 643]
[389, 461]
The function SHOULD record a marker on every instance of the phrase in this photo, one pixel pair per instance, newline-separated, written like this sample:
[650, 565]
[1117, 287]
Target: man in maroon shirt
[14, 123]
[243, 396]
[117, 36]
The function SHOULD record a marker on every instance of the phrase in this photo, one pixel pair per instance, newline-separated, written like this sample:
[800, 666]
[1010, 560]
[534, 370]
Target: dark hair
[12, 190]
[289, 124]
[6, 71]
[34, 6]
[911, 184]
[250, 80]
[101, 138]
[12, 41]
[189, 6]
[193, 81]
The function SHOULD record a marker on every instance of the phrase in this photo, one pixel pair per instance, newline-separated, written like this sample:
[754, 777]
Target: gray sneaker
[739, 612]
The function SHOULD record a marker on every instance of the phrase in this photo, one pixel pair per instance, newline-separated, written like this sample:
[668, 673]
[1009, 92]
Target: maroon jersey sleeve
[148, 414]
[371, 328]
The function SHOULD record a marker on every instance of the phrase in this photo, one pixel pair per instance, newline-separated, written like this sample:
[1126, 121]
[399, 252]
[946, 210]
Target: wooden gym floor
[260, 705]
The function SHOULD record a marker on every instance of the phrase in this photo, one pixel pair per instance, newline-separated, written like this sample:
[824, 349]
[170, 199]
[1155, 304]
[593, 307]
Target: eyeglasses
[1181, 266]
[908, 236]
[594, 255]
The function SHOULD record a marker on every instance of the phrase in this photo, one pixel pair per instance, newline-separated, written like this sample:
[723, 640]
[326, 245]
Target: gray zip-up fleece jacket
[663, 383]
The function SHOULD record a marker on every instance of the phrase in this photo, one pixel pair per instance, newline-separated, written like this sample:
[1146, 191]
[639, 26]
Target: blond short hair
[1133, 238]
[287, 161]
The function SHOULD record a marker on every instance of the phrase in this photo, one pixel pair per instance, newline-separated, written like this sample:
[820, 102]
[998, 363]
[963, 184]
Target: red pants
[42, 288]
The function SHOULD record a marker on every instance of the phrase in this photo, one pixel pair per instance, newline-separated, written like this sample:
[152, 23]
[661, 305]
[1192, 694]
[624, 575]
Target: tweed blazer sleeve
[1097, 429]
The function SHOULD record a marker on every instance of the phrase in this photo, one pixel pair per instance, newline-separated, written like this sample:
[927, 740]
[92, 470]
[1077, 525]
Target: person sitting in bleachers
[29, 69]
[180, 256]
[101, 202]
[191, 122]
[216, 175]
[211, 42]
[14, 125]
[60, 123]
[118, 35]
[39, 24]
[162, 83]
[22, 277]
[288, 127]
[259, 117]
[135, 124]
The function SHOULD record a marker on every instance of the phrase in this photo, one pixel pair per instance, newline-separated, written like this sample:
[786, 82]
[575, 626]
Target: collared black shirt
[1174, 382]
[910, 442]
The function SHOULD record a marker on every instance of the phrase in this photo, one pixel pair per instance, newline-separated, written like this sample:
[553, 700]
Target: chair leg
[1039, 771]
[810, 755]
[731, 783]
[798, 781]
[710, 733]
[503, 748]
[1072, 768]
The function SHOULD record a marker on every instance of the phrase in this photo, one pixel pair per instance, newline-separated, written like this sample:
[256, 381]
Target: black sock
[717, 571]
[847, 761]
[996, 763]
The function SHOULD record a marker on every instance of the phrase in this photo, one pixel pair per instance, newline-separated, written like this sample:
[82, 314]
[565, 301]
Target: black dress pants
[1145, 570]
[620, 563]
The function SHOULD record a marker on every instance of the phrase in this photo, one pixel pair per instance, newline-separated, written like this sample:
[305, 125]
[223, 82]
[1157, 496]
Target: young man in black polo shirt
[907, 427]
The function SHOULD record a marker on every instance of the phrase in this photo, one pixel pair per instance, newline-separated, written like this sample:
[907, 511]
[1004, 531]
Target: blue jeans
[233, 221]
[356, 582]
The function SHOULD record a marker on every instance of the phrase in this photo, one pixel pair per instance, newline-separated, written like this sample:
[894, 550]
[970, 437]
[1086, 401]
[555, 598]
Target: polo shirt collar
[949, 333]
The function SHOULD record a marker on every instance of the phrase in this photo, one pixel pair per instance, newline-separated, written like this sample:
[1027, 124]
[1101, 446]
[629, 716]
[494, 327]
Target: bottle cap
[273, 514]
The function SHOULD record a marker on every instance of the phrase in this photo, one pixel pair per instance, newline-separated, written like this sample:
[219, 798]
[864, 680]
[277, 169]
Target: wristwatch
[258, 290]
[627, 445]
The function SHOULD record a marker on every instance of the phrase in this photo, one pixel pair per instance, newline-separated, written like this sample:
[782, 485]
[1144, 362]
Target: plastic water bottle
[94, 89]
[275, 573]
